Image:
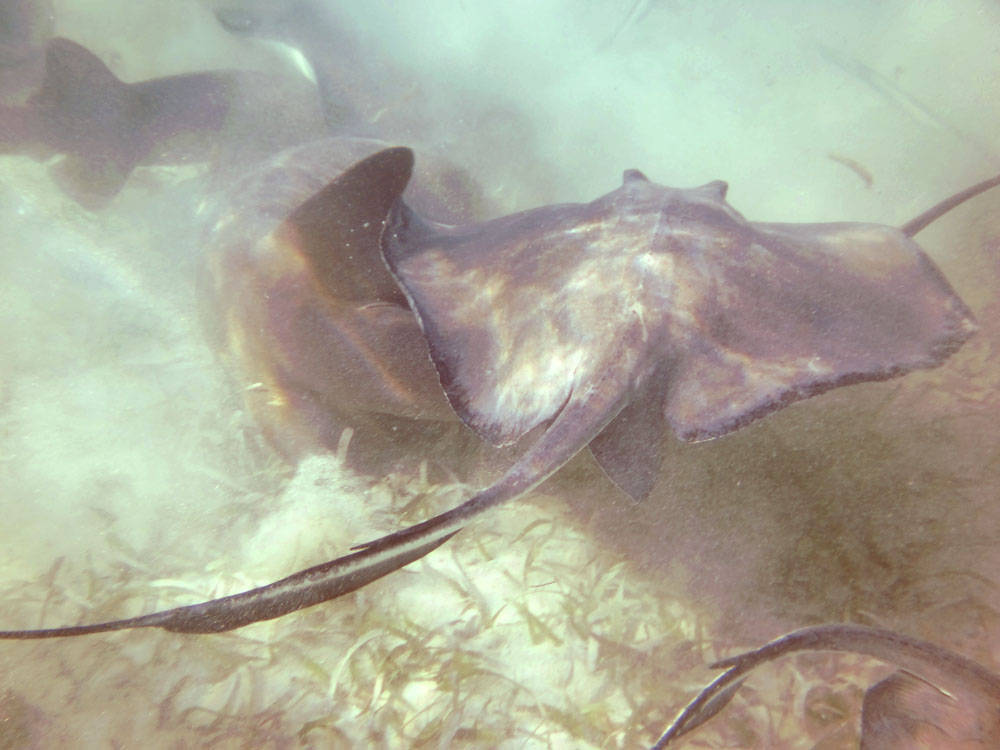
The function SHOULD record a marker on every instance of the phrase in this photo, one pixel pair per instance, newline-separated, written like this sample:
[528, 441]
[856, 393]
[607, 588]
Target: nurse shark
[602, 325]
[102, 128]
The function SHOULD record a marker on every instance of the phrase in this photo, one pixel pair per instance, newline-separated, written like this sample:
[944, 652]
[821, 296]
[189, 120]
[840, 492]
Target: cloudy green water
[575, 620]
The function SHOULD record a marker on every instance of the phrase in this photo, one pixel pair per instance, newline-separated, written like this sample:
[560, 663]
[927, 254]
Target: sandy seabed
[132, 481]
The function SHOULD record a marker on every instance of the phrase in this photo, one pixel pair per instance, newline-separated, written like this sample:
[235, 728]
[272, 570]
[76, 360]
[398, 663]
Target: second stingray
[605, 324]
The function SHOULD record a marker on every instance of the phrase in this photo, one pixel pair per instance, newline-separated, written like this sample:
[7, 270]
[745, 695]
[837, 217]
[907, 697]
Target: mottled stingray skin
[942, 700]
[605, 324]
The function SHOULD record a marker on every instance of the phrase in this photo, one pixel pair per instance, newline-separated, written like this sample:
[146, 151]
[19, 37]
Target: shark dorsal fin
[337, 228]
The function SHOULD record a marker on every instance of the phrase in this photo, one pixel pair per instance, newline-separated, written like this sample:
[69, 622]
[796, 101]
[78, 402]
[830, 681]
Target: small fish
[104, 128]
[863, 174]
[601, 325]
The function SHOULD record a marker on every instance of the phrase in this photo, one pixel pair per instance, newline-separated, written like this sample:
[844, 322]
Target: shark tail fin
[89, 114]
[90, 181]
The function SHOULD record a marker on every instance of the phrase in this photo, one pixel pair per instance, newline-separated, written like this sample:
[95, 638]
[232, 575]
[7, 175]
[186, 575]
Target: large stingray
[104, 128]
[941, 700]
[606, 324]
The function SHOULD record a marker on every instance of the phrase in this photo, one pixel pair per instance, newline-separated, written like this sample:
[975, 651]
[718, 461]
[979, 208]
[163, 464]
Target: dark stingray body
[602, 325]
[314, 328]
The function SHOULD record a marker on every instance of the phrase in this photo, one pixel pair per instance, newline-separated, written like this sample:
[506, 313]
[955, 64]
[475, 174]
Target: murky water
[133, 479]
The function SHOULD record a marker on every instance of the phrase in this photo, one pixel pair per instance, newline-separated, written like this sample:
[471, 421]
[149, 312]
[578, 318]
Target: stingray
[104, 128]
[605, 325]
[940, 699]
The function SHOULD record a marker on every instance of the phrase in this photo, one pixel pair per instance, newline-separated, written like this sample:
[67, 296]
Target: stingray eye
[716, 188]
[631, 175]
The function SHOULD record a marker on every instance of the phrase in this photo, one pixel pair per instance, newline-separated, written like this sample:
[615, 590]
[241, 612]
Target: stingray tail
[935, 212]
[298, 591]
[367, 563]
[937, 666]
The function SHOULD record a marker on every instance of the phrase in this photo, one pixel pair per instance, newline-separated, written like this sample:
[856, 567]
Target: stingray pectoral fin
[508, 332]
[809, 307]
[298, 591]
[630, 449]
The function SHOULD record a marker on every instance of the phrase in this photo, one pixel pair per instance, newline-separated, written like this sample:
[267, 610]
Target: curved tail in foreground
[937, 688]
[298, 591]
[587, 414]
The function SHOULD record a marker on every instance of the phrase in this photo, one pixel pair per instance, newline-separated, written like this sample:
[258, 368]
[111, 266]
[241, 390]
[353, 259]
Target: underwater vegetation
[360, 676]
[136, 478]
[717, 322]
